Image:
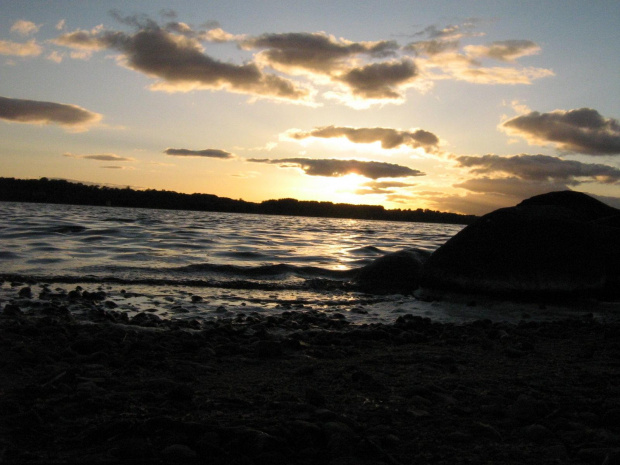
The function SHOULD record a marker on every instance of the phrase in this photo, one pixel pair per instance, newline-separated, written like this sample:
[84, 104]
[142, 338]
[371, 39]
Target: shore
[302, 387]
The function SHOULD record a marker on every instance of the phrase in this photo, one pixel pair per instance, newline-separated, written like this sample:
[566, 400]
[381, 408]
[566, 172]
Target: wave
[267, 271]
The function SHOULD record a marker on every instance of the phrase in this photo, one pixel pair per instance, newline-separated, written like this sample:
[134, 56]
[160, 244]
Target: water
[182, 264]
[65, 240]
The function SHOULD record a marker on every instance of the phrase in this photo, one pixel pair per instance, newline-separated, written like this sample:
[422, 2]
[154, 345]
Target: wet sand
[302, 387]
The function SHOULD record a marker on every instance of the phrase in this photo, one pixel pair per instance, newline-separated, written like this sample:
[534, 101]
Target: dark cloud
[360, 74]
[433, 47]
[180, 62]
[541, 168]
[317, 52]
[207, 153]
[336, 168]
[441, 40]
[512, 186]
[100, 157]
[84, 40]
[382, 187]
[450, 32]
[470, 203]
[389, 138]
[579, 131]
[380, 80]
[38, 112]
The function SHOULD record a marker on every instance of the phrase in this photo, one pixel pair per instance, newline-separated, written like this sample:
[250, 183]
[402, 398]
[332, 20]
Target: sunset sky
[461, 106]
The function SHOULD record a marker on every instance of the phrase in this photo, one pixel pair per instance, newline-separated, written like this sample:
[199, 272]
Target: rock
[528, 409]
[559, 243]
[178, 453]
[394, 272]
[25, 292]
[612, 417]
[537, 433]
[459, 437]
[605, 455]
[145, 319]
[315, 397]
[12, 310]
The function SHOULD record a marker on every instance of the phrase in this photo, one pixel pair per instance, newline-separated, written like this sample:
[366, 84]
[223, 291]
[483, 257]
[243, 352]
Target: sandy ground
[302, 387]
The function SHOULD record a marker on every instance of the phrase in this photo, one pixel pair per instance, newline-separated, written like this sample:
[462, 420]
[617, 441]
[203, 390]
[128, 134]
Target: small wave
[241, 254]
[44, 247]
[269, 271]
[6, 255]
[67, 229]
[44, 261]
[120, 220]
[368, 249]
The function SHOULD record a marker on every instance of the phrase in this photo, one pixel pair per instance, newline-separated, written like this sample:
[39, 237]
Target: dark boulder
[560, 243]
[394, 272]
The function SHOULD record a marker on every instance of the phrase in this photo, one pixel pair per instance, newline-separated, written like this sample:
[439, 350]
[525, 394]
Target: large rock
[561, 243]
[394, 272]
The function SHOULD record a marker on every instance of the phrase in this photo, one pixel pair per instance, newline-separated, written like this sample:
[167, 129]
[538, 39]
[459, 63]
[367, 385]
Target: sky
[463, 106]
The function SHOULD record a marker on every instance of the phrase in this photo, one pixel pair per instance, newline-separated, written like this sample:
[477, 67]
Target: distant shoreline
[45, 190]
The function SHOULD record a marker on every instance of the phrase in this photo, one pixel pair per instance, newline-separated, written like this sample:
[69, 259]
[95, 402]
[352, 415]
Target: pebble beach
[300, 386]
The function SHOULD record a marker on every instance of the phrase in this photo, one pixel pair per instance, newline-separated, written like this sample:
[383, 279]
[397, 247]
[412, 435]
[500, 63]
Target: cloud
[442, 56]
[37, 112]
[389, 138]
[512, 186]
[55, 56]
[180, 63]
[30, 48]
[317, 52]
[82, 40]
[24, 27]
[505, 50]
[541, 168]
[220, 35]
[358, 74]
[382, 187]
[100, 157]
[115, 167]
[380, 80]
[60, 25]
[470, 203]
[336, 168]
[578, 131]
[207, 153]
[433, 47]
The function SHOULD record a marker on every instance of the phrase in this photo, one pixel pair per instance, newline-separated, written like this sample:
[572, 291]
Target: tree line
[58, 191]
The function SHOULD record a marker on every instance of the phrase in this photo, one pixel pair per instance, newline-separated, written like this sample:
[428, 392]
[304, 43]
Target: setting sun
[464, 115]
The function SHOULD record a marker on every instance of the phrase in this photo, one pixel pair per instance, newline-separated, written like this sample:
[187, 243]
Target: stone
[145, 319]
[537, 433]
[25, 292]
[558, 244]
[527, 409]
[12, 310]
[395, 272]
[178, 453]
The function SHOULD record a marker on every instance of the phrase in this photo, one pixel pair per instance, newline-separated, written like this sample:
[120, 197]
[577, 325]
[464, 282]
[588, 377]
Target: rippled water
[65, 240]
[198, 266]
